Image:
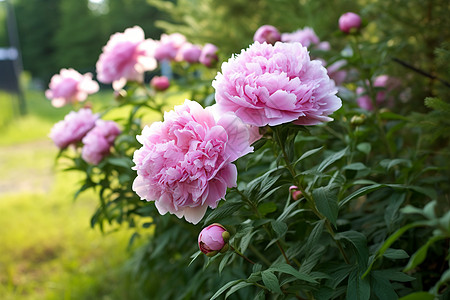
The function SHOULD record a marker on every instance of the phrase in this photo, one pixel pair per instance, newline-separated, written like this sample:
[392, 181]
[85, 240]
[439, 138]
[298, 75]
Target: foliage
[372, 220]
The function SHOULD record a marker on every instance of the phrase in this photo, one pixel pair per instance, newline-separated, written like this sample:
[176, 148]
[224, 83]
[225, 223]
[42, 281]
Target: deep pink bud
[160, 83]
[268, 34]
[296, 194]
[349, 21]
[209, 57]
[213, 239]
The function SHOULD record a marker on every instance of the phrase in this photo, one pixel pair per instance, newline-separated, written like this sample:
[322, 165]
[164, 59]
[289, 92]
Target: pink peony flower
[305, 36]
[272, 85]
[69, 86]
[98, 141]
[268, 34]
[384, 84]
[185, 163]
[212, 239]
[73, 128]
[189, 53]
[160, 83]
[296, 194]
[335, 72]
[209, 56]
[349, 21]
[126, 57]
[167, 47]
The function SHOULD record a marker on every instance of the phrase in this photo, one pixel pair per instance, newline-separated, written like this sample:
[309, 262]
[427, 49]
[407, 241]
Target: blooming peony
[209, 57]
[272, 85]
[69, 86]
[212, 239]
[189, 53]
[349, 21]
[169, 45]
[384, 85]
[73, 128]
[98, 141]
[185, 163]
[305, 36]
[268, 34]
[126, 57]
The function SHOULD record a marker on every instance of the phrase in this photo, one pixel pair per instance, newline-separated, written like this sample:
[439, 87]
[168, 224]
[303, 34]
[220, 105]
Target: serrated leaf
[331, 159]
[288, 269]
[271, 281]
[327, 203]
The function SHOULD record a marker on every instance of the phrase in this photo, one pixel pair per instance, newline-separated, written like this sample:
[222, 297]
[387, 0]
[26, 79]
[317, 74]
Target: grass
[48, 250]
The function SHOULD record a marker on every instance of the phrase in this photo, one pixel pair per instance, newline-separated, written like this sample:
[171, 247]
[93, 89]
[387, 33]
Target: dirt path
[27, 167]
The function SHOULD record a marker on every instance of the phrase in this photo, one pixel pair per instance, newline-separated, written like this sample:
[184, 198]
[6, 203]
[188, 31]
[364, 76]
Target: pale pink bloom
[126, 57]
[324, 46]
[268, 34]
[160, 83]
[185, 163]
[384, 84]
[168, 45]
[209, 57]
[189, 53]
[305, 36]
[336, 72]
[211, 239]
[69, 86]
[272, 85]
[349, 21]
[73, 128]
[98, 141]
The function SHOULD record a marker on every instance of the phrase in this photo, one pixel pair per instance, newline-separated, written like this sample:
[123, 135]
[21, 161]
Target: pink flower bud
[189, 53]
[268, 34]
[213, 239]
[349, 21]
[296, 194]
[160, 83]
[209, 57]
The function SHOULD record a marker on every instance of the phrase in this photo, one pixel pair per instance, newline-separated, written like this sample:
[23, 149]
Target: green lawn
[47, 249]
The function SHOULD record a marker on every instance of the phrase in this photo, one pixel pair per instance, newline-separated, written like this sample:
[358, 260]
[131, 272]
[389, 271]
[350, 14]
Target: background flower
[272, 85]
[98, 141]
[305, 36]
[126, 57]
[73, 128]
[268, 34]
[209, 57]
[169, 45]
[69, 86]
[185, 164]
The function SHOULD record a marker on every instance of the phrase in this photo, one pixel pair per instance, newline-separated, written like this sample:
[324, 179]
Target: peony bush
[288, 167]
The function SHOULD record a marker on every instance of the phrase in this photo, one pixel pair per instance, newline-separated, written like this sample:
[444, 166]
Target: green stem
[242, 255]
[309, 197]
[259, 254]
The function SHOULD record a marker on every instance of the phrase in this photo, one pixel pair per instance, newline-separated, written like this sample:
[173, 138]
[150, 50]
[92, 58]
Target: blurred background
[47, 248]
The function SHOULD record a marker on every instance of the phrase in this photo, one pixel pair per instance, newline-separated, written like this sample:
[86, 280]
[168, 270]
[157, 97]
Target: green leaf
[267, 208]
[226, 210]
[271, 281]
[288, 269]
[225, 287]
[382, 287]
[418, 296]
[307, 154]
[237, 287]
[280, 228]
[314, 236]
[380, 252]
[331, 159]
[395, 254]
[364, 148]
[420, 255]
[124, 162]
[225, 260]
[195, 256]
[327, 202]
[359, 242]
[358, 288]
